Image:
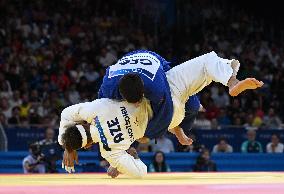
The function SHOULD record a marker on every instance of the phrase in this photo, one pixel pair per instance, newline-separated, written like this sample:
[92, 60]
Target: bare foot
[182, 138]
[185, 140]
[247, 84]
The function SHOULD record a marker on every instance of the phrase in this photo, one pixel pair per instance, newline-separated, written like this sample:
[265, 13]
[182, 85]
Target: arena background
[54, 54]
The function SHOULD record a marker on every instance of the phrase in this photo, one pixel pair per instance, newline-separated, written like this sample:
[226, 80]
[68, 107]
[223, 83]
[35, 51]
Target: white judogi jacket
[115, 125]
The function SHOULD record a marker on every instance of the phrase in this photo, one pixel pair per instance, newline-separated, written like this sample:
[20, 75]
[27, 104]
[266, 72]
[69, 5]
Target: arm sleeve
[41, 168]
[151, 168]
[215, 149]
[166, 66]
[25, 161]
[171, 146]
[127, 164]
[244, 147]
[75, 114]
[231, 149]
[168, 168]
[260, 147]
[268, 148]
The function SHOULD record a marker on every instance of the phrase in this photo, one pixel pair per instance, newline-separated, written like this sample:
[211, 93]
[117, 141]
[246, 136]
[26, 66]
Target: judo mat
[164, 183]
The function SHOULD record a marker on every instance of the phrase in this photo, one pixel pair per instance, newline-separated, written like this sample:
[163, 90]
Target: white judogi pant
[192, 76]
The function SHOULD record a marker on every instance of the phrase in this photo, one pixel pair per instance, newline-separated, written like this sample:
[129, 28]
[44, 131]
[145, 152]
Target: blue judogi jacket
[157, 91]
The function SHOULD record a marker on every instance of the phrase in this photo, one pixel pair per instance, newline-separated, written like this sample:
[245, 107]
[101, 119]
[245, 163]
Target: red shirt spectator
[212, 111]
[61, 80]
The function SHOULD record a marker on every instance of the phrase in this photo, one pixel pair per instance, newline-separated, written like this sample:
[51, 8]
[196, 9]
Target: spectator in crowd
[49, 137]
[25, 107]
[222, 147]
[3, 120]
[214, 124]
[274, 146]
[204, 163]
[34, 162]
[61, 80]
[64, 53]
[34, 118]
[212, 111]
[251, 145]
[16, 99]
[90, 73]
[223, 119]
[159, 163]
[236, 108]
[250, 124]
[202, 122]
[163, 144]
[5, 87]
[3, 137]
[44, 109]
[237, 122]
[51, 150]
[257, 109]
[5, 107]
[15, 119]
[221, 98]
[272, 121]
[74, 95]
[106, 58]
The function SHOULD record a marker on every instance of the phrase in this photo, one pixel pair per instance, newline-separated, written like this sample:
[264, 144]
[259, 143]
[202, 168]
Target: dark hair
[72, 139]
[200, 160]
[274, 134]
[156, 166]
[131, 87]
[205, 150]
[222, 139]
[35, 149]
[15, 107]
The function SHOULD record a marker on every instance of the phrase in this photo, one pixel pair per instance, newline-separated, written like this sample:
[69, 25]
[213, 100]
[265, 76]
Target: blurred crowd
[54, 54]
[235, 33]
